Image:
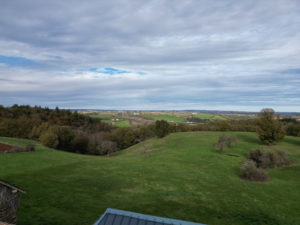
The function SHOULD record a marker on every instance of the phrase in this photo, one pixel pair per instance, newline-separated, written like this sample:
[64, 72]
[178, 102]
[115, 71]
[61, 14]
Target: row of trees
[70, 131]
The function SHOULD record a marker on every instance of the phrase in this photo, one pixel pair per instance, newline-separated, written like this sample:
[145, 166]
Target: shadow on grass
[292, 141]
[250, 139]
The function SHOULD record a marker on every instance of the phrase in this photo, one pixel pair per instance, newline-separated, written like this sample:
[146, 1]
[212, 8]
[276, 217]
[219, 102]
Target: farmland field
[140, 118]
[180, 176]
[210, 117]
[167, 117]
[123, 123]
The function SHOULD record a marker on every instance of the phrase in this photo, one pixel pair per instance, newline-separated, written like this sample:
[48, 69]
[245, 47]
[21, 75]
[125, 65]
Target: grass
[124, 123]
[102, 116]
[210, 116]
[109, 119]
[167, 117]
[181, 176]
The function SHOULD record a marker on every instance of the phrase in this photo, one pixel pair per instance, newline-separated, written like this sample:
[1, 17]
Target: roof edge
[146, 217]
[12, 186]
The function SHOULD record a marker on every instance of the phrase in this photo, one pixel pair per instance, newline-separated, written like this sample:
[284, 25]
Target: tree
[269, 128]
[161, 128]
[50, 139]
[225, 142]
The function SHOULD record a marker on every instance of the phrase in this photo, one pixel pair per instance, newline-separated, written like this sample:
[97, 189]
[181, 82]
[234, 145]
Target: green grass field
[102, 116]
[181, 176]
[109, 119]
[167, 117]
[210, 116]
[123, 123]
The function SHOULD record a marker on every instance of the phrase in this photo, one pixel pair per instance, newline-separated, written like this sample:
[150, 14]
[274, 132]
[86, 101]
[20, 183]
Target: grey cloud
[201, 52]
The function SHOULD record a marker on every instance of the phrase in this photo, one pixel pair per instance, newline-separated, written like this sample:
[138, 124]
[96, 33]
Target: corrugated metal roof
[120, 217]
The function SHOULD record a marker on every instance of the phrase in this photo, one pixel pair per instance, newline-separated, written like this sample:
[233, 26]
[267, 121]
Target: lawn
[180, 176]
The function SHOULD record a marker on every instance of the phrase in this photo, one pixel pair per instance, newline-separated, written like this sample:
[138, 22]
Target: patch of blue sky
[55, 57]
[292, 71]
[111, 71]
[106, 70]
[18, 61]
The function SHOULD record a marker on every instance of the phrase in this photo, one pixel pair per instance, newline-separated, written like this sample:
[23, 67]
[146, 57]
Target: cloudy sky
[156, 54]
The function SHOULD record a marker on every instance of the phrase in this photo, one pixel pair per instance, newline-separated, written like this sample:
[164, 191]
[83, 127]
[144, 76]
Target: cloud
[131, 54]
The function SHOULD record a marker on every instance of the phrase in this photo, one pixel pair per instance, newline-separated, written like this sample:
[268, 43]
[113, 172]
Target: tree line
[74, 132]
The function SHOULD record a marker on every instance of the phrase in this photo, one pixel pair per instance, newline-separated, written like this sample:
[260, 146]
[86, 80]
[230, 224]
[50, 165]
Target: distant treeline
[74, 132]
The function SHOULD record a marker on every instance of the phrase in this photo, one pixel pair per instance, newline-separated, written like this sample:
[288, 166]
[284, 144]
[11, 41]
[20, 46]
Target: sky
[151, 55]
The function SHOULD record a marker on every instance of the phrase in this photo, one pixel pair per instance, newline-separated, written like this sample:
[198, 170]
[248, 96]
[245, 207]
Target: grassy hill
[181, 176]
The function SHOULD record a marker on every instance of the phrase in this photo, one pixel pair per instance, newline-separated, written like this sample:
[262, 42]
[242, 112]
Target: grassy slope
[182, 176]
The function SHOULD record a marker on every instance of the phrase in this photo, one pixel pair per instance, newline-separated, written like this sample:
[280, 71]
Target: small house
[120, 217]
[9, 202]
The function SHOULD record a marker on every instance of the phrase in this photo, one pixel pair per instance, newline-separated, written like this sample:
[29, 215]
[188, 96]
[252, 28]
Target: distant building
[120, 217]
[9, 202]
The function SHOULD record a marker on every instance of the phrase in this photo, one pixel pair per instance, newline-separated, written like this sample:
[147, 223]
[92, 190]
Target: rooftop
[120, 217]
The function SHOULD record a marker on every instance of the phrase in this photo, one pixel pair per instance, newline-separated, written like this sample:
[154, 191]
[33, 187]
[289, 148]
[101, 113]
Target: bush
[225, 142]
[293, 129]
[268, 159]
[30, 148]
[108, 147]
[80, 142]
[252, 173]
[124, 137]
[161, 128]
[65, 136]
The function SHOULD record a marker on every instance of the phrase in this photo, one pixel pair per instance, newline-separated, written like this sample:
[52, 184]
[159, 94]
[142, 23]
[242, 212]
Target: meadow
[181, 176]
[111, 119]
[175, 117]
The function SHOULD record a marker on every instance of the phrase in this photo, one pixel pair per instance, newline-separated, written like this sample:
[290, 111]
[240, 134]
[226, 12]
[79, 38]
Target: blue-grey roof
[120, 217]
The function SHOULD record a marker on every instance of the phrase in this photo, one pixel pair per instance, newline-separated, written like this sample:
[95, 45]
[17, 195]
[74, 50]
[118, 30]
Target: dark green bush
[268, 159]
[29, 148]
[252, 173]
[162, 128]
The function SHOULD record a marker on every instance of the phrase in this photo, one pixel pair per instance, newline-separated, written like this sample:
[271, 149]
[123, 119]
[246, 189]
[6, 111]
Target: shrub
[222, 143]
[80, 142]
[225, 142]
[252, 173]
[124, 137]
[108, 147]
[293, 129]
[161, 128]
[30, 148]
[65, 136]
[268, 159]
